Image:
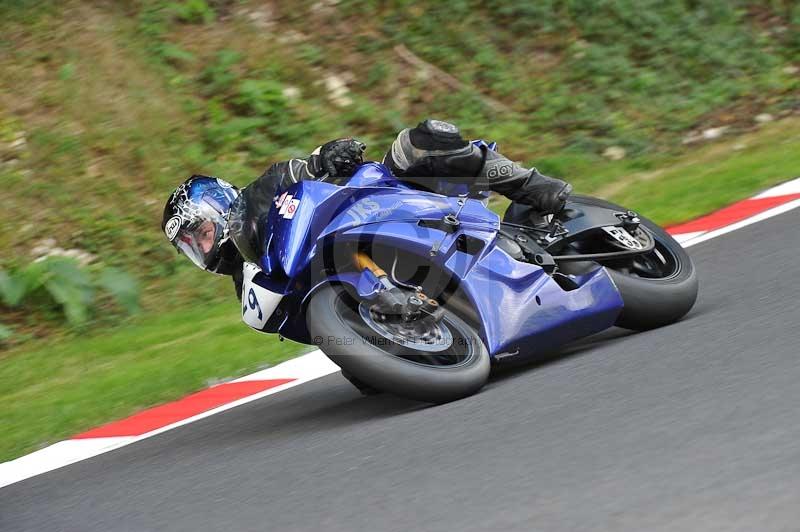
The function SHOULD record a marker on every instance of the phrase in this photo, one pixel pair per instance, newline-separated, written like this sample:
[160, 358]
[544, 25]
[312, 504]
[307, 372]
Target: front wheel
[436, 366]
[658, 287]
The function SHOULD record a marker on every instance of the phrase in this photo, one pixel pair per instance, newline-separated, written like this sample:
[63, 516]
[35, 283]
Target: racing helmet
[195, 221]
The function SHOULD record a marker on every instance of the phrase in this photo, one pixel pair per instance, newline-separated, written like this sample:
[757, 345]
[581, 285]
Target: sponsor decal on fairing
[285, 204]
[291, 208]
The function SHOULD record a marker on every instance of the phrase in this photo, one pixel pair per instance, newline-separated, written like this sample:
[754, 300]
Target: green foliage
[153, 25]
[69, 286]
[377, 73]
[12, 288]
[612, 66]
[5, 333]
[62, 282]
[123, 288]
[219, 76]
[66, 72]
[224, 131]
[155, 21]
[193, 11]
[312, 54]
[175, 54]
[260, 97]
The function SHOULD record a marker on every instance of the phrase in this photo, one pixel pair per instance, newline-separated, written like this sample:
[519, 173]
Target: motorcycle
[418, 293]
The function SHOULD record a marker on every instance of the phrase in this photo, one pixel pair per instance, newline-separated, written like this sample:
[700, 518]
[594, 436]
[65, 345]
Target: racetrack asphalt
[695, 426]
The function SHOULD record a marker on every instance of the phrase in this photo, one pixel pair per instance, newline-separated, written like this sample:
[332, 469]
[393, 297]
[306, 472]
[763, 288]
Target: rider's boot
[436, 149]
[545, 194]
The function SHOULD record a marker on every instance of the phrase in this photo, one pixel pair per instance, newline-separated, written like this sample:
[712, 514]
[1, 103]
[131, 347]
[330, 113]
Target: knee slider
[436, 135]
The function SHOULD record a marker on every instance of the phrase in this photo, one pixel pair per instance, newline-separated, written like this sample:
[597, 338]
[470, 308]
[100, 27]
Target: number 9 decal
[252, 302]
[258, 303]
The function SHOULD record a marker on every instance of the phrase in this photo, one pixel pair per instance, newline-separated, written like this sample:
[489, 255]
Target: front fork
[395, 303]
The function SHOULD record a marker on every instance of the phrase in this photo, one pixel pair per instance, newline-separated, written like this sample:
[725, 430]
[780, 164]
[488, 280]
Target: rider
[196, 216]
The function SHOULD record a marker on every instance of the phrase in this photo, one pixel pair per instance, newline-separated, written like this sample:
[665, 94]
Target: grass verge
[52, 390]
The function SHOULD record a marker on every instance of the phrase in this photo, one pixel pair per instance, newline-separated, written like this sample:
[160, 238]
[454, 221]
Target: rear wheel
[658, 287]
[443, 362]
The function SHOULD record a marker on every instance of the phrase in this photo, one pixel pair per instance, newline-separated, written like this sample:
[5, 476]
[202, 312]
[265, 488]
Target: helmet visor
[200, 241]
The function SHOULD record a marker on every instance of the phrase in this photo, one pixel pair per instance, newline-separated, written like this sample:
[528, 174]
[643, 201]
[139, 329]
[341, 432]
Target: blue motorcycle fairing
[523, 309]
[519, 306]
[325, 209]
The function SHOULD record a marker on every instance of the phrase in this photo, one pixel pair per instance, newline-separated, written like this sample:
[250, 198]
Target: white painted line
[775, 211]
[310, 366]
[57, 455]
[790, 187]
[685, 237]
[303, 369]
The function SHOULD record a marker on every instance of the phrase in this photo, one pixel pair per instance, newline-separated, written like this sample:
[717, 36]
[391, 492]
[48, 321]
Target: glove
[337, 158]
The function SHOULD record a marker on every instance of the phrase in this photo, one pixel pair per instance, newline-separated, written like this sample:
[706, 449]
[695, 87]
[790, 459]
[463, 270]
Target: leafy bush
[61, 281]
[260, 97]
[193, 11]
[219, 77]
[174, 54]
[155, 20]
